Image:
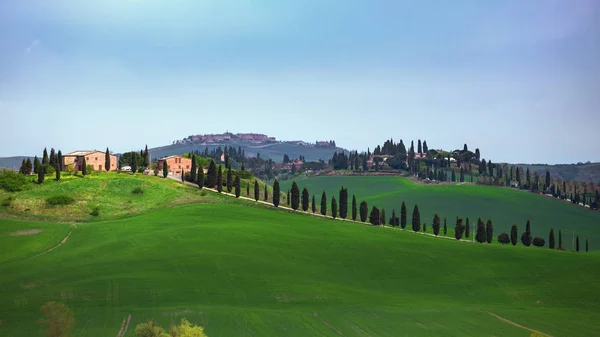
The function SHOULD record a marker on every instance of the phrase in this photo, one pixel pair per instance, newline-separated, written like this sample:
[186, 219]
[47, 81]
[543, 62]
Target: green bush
[11, 181]
[203, 193]
[60, 200]
[137, 190]
[49, 169]
[95, 211]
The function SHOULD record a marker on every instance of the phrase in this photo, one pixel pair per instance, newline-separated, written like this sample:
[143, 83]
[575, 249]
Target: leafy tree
[276, 193]
[403, 215]
[354, 208]
[480, 235]
[229, 180]
[334, 208]
[416, 219]
[305, 199]
[374, 217]
[577, 243]
[323, 203]
[266, 192]
[165, 169]
[559, 239]
[436, 225]
[551, 239]
[514, 235]
[313, 205]
[364, 210]
[107, 160]
[539, 241]
[343, 202]
[526, 236]
[237, 184]
[211, 174]
[150, 329]
[83, 167]
[459, 228]
[295, 196]
[489, 231]
[200, 177]
[220, 179]
[445, 227]
[58, 319]
[256, 190]
[186, 329]
[467, 228]
[503, 238]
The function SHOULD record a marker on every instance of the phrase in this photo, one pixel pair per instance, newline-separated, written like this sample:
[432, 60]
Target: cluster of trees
[134, 159]
[233, 157]
[50, 164]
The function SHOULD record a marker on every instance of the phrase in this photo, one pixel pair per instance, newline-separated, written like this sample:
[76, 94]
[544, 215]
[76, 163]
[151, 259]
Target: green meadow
[504, 206]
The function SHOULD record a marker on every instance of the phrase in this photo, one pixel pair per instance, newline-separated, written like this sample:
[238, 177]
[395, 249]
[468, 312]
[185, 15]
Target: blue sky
[520, 80]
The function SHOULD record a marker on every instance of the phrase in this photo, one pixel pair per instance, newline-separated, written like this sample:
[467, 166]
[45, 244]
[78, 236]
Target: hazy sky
[520, 80]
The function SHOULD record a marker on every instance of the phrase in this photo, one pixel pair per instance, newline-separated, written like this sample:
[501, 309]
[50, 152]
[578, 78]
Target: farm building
[94, 158]
[176, 164]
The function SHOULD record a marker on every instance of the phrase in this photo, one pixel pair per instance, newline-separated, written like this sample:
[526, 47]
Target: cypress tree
[314, 205]
[467, 228]
[374, 217]
[436, 225]
[248, 189]
[220, 179]
[288, 198]
[354, 208]
[343, 203]
[134, 165]
[364, 210]
[40, 176]
[393, 219]
[165, 169]
[403, 215]
[480, 235]
[419, 148]
[416, 219]
[424, 227]
[576, 242]
[146, 157]
[52, 159]
[256, 191]
[333, 207]
[459, 228]
[36, 164]
[295, 196]
[237, 184]
[489, 231]
[107, 160]
[559, 239]
[45, 157]
[83, 167]
[22, 168]
[276, 193]
[211, 174]
[445, 227]
[305, 199]
[59, 159]
[453, 176]
[57, 172]
[200, 177]
[323, 203]
[28, 166]
[266, 192]
[182, 175]
[514, 235]
[526, 237]
[586, 245]
[194, 170]
[229, 180]
[382, 217]
[551, 239]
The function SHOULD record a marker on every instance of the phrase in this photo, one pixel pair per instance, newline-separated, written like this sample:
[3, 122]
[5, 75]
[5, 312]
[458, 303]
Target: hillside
[503, 206]
[578, 172]
[239, 270]
[13, 162]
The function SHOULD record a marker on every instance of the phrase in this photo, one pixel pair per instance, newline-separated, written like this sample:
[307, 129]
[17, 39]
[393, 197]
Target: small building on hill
[175, 164]
[94, 158]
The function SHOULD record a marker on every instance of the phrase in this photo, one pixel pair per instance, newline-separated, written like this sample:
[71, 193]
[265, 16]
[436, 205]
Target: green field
[504, 206]
[241, 270]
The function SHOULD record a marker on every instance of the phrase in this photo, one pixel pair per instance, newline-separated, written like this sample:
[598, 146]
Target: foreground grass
[503, 206]
[242, 270]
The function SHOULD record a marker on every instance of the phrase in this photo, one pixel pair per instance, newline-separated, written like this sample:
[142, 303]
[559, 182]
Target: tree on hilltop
[334, 207]
[459, 228]
[354, 208]
[551, 239]
[165, 169]
[577, 243]
[480, 235]
[403, 215]
[374, 217]
[200, 177]
[343, 203]
[146, 157]
[489, 231]
[83, 167]
[436, 224]
[503, 238]
[107, 160]
[211, 175]
[276, 193]
[295, 196]
[237, 184]
[229, 181]
[559, 239]
[445, 227]
[416, 219]
[364, 210]
[194, 170]
[323, 204]
[266, 192]
[256, 190]
[45, 157]
[305, 199]
[467, 228]
[526, 236]
[514, 235]
[220, 179]
[313, 205]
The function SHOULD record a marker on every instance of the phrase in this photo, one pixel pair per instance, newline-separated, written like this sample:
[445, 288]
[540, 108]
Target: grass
[241, 270]
[504, 206]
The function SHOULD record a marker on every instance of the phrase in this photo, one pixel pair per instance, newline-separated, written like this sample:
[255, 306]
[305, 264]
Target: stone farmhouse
[94, 158]
[176, 164]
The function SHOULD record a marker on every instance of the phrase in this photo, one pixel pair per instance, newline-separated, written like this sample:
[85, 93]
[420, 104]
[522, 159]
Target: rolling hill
[503, 206]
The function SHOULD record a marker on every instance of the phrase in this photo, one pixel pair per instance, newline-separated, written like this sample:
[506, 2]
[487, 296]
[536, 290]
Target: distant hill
[580, 172]
[12, 162]
[268, 147]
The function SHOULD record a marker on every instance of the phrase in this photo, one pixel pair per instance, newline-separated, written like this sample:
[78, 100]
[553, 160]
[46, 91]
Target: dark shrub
[95, 211]
[59, 200]
[137, 190]
[503, 238]
[11, 181]
[539, 242]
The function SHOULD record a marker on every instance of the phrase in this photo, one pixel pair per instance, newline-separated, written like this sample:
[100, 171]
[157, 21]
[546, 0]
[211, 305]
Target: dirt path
[518, 325]
[124, 326]
[58, 245]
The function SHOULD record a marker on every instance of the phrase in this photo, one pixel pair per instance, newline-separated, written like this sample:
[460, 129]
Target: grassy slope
[503, 206]
[112, 192]
[248, 271]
